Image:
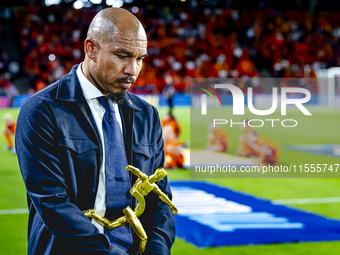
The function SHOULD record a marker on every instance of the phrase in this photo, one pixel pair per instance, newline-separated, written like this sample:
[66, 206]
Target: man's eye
[140, 59]
[121, 56]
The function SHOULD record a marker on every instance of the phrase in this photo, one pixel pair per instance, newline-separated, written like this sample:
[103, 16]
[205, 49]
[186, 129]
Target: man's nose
[131, 68]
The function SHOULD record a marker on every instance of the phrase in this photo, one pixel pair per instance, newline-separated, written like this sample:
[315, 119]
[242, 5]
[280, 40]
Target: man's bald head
[115, 47]
[111, 22]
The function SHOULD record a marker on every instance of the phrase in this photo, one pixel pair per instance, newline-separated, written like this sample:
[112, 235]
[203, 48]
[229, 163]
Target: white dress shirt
[91, 93]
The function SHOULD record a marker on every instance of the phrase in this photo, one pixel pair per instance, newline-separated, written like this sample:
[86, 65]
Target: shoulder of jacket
[139, 102]
[48, 92]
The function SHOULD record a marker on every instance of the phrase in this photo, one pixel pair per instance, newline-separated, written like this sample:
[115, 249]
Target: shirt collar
[89, 90]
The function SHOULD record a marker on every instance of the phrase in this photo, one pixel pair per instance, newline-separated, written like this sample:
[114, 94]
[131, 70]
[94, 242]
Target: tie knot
[107, 104]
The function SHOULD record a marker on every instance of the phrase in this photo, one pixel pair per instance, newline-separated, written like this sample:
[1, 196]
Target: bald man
[74, 137]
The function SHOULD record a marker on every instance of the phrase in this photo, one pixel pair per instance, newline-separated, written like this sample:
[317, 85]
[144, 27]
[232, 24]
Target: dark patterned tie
[117, 179]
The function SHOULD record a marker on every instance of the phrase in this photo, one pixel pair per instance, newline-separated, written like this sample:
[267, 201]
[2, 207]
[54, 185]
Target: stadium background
[42, 40]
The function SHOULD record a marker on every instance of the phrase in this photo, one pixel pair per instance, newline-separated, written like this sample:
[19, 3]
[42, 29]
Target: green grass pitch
[322, 128]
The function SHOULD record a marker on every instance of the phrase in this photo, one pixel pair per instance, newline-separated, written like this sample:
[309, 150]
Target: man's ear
[91, 48]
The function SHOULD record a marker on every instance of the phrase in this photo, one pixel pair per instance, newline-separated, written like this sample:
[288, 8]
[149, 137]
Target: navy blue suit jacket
[59, 154]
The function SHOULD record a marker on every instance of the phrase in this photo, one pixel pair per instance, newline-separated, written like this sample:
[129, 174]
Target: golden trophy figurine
[143, 186]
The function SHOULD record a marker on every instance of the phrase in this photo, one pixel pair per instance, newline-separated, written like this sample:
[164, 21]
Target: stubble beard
[117, 98]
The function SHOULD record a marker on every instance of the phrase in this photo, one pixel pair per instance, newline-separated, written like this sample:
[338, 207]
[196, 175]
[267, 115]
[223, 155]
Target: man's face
[118, 63]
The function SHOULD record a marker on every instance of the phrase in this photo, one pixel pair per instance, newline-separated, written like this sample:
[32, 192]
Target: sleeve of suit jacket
[158, 219]
[44, 177]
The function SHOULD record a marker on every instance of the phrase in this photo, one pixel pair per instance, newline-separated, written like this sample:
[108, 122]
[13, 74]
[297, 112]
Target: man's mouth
[125, 85]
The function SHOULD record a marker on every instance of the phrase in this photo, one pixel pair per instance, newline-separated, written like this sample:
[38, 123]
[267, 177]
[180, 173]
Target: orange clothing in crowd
[247, 150]
[173, 124]
[246, 67]
[12, 127]
[10, 130]
[264, 149]
[218, 140]
[173, 155]
[272, 150]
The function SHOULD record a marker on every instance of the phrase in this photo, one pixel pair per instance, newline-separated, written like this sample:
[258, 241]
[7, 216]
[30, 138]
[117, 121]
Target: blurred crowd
[207, 43]
[51, 41]
[7, 69]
